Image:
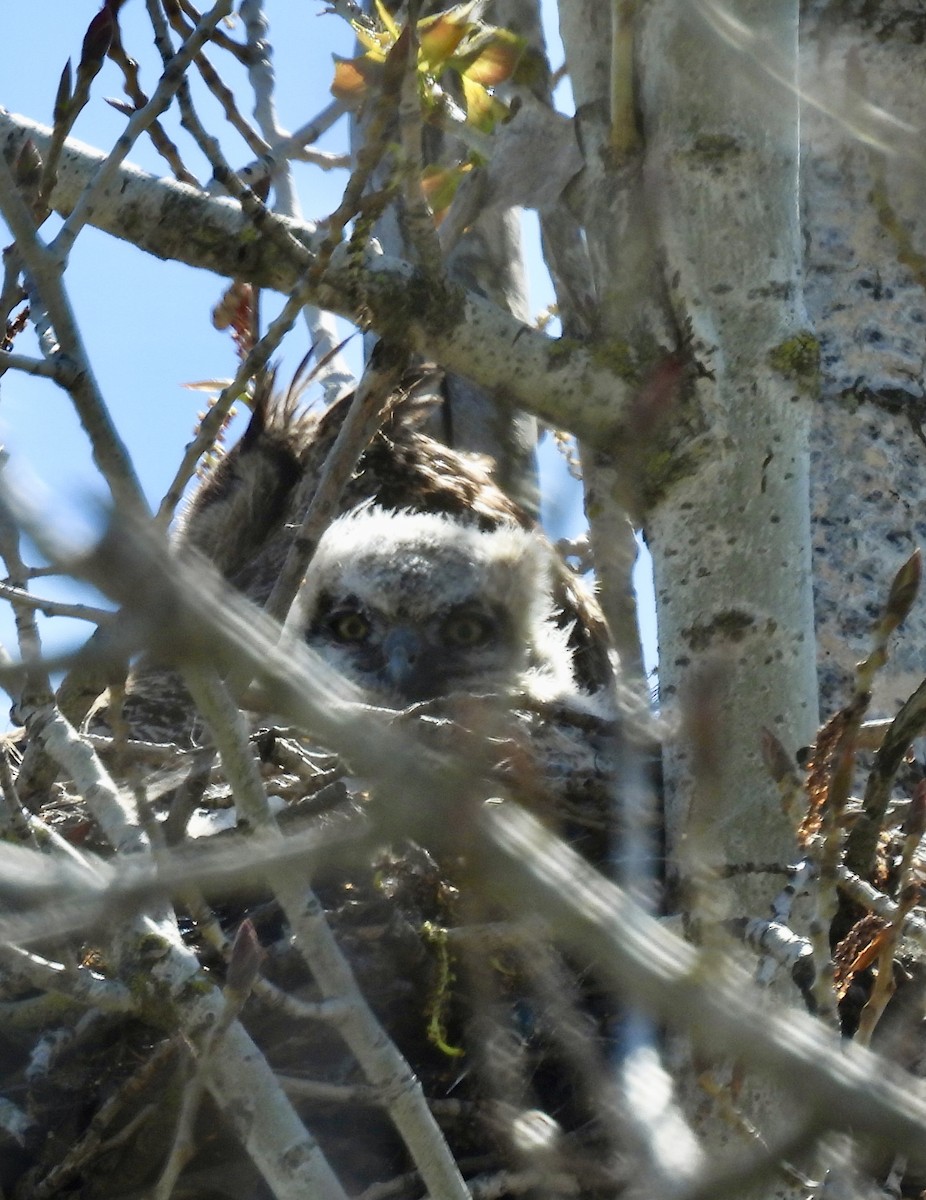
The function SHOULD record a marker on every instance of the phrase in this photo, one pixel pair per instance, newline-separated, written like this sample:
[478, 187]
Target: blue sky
[147, 324]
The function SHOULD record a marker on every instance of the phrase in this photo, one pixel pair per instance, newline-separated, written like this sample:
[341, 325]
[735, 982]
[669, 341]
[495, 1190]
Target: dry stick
[867, 895]
[261, 217]
[272, 1125]
[109, 453]
[908, 725]
[226, 99]
[243, 966]
[170, 81]
[68, 107]
[257, 358]
[295, 145]
[377, 1055]
[262, 80]
[332, 370]
[34, 696]
[908, 895]
[55, 608]
[11, 294]
[63, 373]
[14, 823]
[267, 222]
[78, 984]
[132, 87]
[431, 798]
[363, 419]
[369, 155]
[90, 1144]
[221, 39]
[900, 599]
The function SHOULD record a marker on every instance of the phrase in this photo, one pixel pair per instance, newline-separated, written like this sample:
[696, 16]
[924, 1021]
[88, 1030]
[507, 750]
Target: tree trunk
[864, 72]
[729, 524]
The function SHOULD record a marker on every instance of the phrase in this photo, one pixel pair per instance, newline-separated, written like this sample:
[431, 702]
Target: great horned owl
[414, 606]
[244, 515]
[431, 586]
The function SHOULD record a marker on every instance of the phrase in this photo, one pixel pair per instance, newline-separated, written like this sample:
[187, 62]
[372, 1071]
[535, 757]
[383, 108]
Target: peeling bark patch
[732, 625]
[716, 146]
[798, 358]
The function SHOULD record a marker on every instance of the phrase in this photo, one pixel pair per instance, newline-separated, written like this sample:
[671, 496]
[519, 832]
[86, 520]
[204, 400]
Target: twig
[62, 371]
[90, 1145]
[55, 608]
[260, 216]
[242, 971]
[172, 78]
[363, 418]
[333, 1012]
[69, 104]
[221, 39]
[256, 360]
[906, 727]
[295, 145]
[377, 1055]
[78, 984]
[109, 453]
[909, 894]
[159, 139]
[842, 755]
[333, 372]
[780, 946]
[36, 693]
[369, 155]
[226, 99]
[14, 825]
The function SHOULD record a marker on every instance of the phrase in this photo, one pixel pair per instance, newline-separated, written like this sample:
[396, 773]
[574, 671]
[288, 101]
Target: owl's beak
[402, 649]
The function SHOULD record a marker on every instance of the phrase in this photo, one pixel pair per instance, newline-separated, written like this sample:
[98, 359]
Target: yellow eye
[467, 629]
[350, 627]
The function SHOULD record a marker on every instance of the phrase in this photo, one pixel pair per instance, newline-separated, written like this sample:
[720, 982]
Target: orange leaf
[439, 186]
[352, 78]
[495, 59]
[439, 37]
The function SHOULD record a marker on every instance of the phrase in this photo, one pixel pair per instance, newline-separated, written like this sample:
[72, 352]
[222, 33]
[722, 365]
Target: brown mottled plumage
[555, 667]
[243, 516]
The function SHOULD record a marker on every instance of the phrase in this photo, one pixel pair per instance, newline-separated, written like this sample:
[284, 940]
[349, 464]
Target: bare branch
[109, 452]
[103, 178]
[560, 382]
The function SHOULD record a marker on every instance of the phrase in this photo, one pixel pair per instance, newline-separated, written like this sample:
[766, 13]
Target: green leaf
[482, 109]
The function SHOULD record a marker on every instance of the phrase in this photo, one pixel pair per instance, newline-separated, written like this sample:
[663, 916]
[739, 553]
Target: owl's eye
[467, 629]
[350, 627]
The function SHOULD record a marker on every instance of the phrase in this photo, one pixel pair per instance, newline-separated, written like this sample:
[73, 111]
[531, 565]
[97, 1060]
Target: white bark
[864, 78]
[730, 534]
